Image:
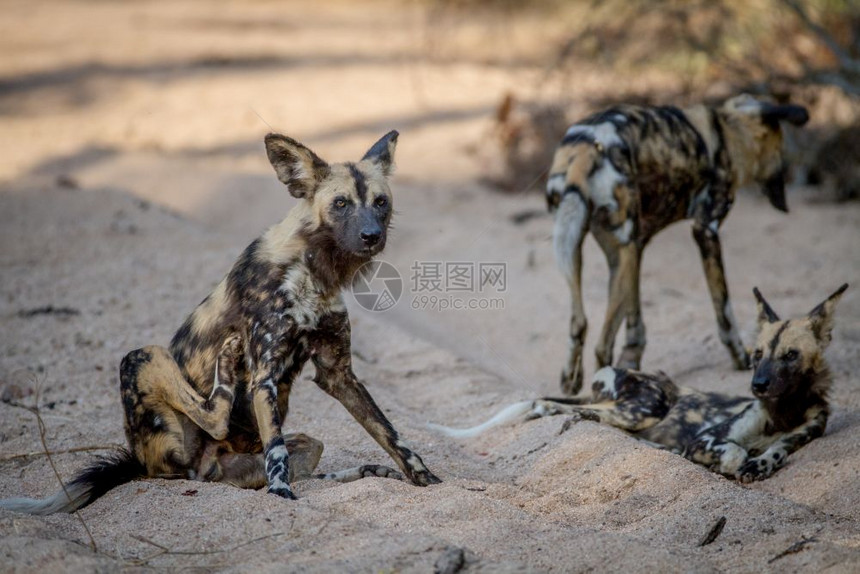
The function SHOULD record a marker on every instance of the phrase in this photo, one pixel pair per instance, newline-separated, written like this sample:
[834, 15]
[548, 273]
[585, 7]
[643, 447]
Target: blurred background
[168, 102]
[87, 80]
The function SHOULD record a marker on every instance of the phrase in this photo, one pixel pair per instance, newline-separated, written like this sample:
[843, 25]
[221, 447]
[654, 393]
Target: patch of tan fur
[798, 335]
[209, 313]
[262, 414]
[755, 149]
[694, 417]
[305, 453]
[281, 243]
[199, 367]
[624, 198]
[700, 117]
[575, 162]
[156, 449]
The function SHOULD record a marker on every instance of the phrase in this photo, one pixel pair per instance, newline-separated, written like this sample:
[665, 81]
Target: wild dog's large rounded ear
[822, 316]
[795, 115]
[382, 152]
[765, 313]
[297, 167]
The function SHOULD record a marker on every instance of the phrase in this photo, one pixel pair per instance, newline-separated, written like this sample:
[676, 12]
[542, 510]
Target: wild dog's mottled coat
[211, 406]
[628, 172]
[743, 438]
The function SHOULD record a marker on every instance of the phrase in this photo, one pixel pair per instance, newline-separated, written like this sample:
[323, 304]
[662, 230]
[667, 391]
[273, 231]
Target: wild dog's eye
[381, 201]
[340, 202]
[790, 355]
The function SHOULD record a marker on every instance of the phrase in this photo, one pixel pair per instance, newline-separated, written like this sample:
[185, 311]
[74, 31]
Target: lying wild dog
[739, 437]
[211, 406]
[630, 171]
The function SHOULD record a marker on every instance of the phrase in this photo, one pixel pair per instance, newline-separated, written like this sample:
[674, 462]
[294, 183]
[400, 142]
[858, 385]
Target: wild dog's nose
[760, 384]
[370, 237]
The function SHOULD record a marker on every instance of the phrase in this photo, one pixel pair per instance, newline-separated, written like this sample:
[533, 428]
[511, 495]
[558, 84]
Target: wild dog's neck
[299, 238]
[740, 143]
[702, 119]
[787, 411]
[332, 268]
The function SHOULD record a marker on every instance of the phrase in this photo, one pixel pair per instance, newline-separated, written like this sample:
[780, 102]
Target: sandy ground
[152, 116]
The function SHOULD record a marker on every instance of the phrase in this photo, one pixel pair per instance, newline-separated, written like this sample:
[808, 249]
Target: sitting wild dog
[630, 171]
[739, 437]
[211, 406]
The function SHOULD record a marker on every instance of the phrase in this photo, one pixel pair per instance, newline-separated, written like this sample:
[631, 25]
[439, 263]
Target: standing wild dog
[211, 406]
[628, 172]
[742, 438]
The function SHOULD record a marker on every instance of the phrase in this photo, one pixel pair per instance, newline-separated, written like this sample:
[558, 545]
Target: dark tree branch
[842, 56]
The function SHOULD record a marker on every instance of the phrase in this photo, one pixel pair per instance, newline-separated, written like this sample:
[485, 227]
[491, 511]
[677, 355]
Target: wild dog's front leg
[264, 394]
[774, 458]
[720, 447]
[706, 236]
[623, 262]
[332, 356]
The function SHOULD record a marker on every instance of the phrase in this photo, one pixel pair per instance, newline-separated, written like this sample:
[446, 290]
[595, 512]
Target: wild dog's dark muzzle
[370, 229]
[762, 378]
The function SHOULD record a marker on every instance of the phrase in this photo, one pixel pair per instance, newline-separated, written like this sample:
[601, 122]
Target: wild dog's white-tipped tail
[105, 473]
[505, 415]
[78, 496]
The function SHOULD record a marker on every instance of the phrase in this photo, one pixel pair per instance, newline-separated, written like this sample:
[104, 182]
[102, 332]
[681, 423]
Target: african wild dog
[211, 406]
[628, 172]
[743, 438]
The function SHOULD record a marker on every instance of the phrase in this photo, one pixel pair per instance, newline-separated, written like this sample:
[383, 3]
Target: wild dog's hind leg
[634, 345]
[571, 225]
[628, 400]
[331, 355]
[708, 240]
[244, 470]
[623, 259]
[248, 470]
[155, 395]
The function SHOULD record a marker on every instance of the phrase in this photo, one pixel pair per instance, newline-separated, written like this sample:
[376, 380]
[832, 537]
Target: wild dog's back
[640, 161]
[690, 415]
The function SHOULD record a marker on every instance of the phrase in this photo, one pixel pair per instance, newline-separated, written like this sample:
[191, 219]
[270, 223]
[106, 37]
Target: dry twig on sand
[37, 453]
[165, 551]
[714, 531]
[794, 548]
[47, 452]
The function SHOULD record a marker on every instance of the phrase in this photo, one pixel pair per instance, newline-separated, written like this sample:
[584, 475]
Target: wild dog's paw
[754, 469]
[282, 491]
[731, 457]
[571, 380]
[576, 417]
[741, 358]
[543, 409]
[424, 478]
[630, 358]
[380, 471]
